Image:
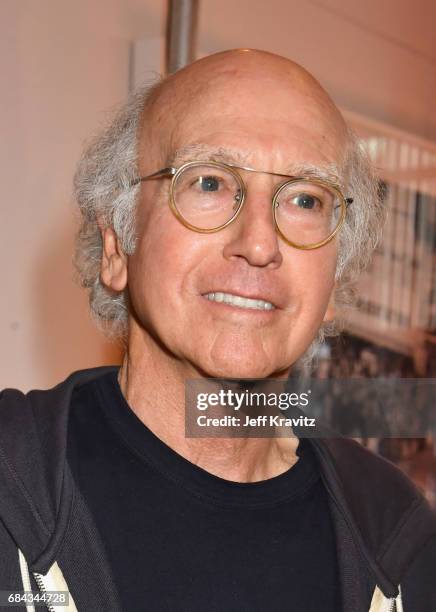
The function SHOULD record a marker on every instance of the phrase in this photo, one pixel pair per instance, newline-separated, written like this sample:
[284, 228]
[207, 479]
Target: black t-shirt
[181, 539]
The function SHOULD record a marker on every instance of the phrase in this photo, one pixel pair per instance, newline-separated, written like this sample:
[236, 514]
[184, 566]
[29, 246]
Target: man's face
[269, 127]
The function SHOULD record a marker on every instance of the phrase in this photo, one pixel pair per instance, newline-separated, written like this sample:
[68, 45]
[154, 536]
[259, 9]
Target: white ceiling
[408, 24]
[374, 57]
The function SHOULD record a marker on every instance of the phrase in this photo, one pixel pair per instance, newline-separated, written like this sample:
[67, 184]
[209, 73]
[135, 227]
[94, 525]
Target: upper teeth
[237, 300]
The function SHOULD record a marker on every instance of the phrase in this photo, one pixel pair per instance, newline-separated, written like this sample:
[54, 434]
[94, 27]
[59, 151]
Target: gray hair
[357, 239]
[102, 187]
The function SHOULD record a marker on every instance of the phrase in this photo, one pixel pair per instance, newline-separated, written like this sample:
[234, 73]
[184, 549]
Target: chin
[238, 369]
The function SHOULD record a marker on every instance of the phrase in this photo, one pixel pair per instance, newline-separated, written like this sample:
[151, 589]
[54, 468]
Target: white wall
[65, 64]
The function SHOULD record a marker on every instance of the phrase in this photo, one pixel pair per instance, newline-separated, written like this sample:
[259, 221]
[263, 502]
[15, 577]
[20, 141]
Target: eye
[306, 200]
[208, 183]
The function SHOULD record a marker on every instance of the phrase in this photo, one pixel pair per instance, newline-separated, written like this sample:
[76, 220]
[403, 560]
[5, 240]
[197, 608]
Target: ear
[331, 308]
[113, 270]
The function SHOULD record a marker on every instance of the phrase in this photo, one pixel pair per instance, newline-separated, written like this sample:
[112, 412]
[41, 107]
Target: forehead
[248, 121]
[203, 152]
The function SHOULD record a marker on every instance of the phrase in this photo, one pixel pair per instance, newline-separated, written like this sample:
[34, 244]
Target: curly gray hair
[102, 187]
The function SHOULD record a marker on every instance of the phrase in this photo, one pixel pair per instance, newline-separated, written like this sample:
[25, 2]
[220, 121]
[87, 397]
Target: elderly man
[218, 231]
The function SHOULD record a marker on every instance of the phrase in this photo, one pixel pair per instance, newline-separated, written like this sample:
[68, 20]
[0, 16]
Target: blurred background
[66, 66]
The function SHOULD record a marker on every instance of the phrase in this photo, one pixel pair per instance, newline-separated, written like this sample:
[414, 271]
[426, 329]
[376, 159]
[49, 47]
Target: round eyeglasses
[207, 196]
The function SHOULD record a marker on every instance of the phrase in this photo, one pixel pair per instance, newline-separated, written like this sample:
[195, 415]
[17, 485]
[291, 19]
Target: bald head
[263, 69]
[247, 86]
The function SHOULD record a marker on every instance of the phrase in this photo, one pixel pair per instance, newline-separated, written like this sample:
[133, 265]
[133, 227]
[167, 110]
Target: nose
[252, 235]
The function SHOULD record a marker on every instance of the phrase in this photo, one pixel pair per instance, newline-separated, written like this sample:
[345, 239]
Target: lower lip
[225, 307]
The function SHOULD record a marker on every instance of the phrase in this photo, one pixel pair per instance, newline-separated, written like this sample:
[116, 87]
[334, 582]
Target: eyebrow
[202, 152]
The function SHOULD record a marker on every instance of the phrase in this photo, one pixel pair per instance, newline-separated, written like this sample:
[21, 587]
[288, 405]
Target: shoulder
[372, 484]
[72, 381]
[44, 405]
[359, 467]
[391, 513]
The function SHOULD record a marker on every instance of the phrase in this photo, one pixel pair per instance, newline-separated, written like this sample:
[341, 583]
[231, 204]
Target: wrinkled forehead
[241, 159]
[229, 109]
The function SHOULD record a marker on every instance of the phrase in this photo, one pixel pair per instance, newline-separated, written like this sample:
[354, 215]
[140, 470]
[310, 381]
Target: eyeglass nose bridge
[240, 198]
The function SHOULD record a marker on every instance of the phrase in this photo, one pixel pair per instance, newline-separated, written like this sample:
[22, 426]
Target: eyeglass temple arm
[348, 201]
[158, 174]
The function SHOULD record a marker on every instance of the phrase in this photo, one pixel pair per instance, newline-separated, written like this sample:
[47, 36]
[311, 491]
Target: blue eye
[305, 200]
[209, 183]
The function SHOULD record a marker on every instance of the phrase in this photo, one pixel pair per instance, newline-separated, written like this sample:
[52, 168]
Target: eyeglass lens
[208, 197]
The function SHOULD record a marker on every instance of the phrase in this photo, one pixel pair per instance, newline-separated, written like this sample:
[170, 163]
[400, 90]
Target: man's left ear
[331, 308]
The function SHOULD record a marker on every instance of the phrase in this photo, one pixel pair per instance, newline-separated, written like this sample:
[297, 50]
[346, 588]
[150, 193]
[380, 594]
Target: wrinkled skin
[275, 115]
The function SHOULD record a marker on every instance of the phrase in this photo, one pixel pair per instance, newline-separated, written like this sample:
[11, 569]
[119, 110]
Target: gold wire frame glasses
[207, 196]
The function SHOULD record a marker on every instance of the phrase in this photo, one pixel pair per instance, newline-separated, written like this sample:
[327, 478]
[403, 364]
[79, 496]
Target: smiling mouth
[239, 301]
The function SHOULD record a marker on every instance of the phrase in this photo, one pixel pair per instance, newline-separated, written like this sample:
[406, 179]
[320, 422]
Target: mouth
[239, 301]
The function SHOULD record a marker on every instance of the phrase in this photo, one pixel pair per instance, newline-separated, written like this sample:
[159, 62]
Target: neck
[153, 383]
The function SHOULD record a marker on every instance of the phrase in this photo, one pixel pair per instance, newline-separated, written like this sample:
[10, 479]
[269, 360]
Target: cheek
[154, 271]
[313, 273]
[165, 254]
